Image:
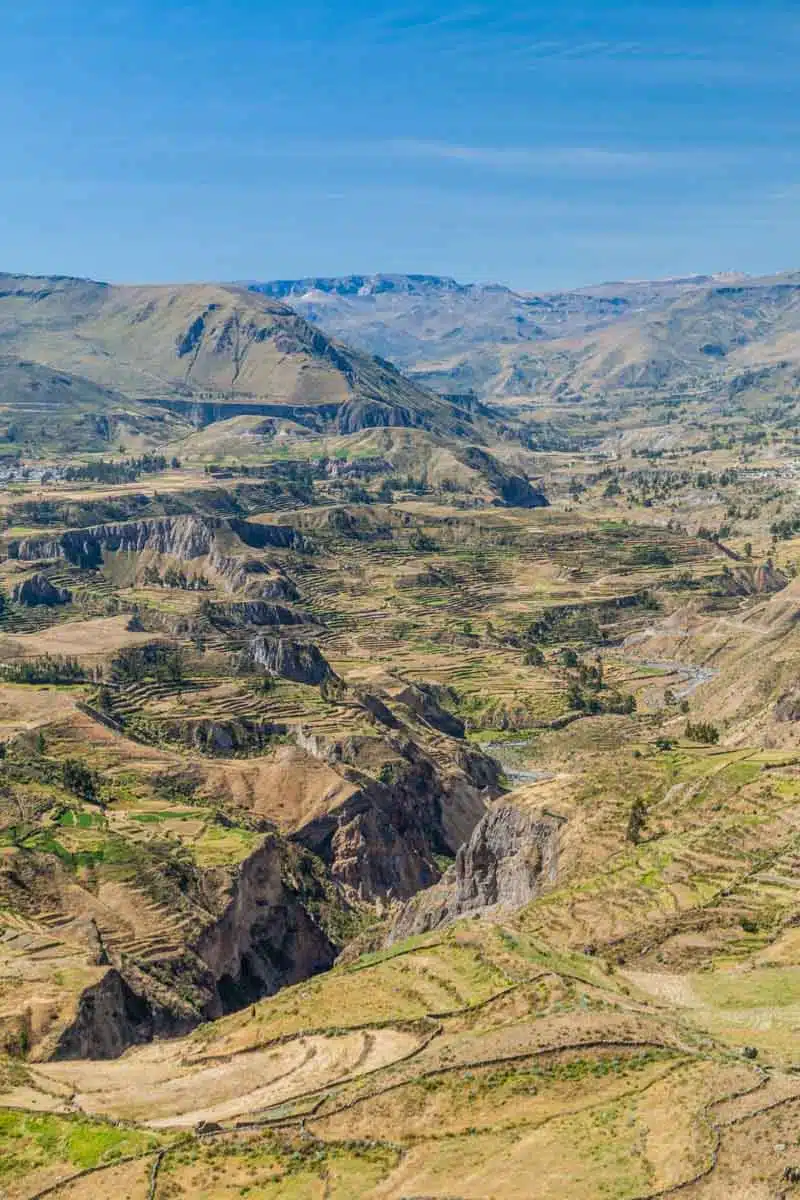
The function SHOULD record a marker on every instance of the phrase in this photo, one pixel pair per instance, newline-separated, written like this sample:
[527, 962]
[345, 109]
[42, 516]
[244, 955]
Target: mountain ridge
[684, 331]
[200, 349]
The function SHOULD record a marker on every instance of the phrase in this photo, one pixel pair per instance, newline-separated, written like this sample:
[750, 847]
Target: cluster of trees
[409, 483]
[637, 820]
[298, 471]
[356, 494]
[786, 528]
[702, 731]
[589, 699]
[136, 663]
[127, 471]
[351, 493]
[79, 779]
[564, 624]
[647, 486]
[587, 691]
[422, 543]
[47, 668]
[175, 578]
[650, 556]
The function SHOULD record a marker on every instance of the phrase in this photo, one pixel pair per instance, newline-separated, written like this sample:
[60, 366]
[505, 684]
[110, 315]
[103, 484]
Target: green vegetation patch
[220, 846]
[406, 983]
[272, 1169]
[153, 818]
[31, 1141]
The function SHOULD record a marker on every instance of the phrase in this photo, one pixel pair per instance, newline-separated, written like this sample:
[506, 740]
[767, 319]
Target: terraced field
[492, 1055]
[363, 836]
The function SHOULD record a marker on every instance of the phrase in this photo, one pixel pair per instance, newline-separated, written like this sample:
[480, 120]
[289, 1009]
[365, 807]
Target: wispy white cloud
[537, 159]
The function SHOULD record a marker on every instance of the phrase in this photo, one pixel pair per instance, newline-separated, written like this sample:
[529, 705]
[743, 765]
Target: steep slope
[208, 350]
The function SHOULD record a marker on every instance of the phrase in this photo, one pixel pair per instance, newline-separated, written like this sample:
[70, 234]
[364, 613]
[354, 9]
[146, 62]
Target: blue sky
[541, 145]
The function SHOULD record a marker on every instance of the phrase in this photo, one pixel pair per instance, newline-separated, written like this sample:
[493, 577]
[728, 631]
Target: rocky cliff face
[509, 488]
[182, 537]
[511, 855]
[752, 581]
[255, 612]
[423, 700]
[38, 589]
[112, 1015]
[302, 662]
[384, 839]
[212, 736]
[257, 934]
[266, 936]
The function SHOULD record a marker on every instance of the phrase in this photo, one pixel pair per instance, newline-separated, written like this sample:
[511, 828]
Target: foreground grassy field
[464, 1059]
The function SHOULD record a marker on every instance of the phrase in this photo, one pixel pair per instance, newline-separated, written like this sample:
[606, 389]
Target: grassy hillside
[51, 411]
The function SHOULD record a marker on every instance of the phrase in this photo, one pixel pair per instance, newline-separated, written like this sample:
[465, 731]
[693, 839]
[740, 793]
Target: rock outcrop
[762, 580]
[510, 488]
[301, 662]
[280, 587]
[266, 936]
[111, 1016]
[372, 414]
[787, 707]
[38, 589]
[511, 855]
[212, 736]
[384, 838]
[182, 537]
[242, 613]
[424, 700]
[255, 931]
[357, 468]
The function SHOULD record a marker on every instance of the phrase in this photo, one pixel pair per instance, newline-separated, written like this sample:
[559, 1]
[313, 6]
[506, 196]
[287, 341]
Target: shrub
[636, 821]
[650, 556]
[702, 731]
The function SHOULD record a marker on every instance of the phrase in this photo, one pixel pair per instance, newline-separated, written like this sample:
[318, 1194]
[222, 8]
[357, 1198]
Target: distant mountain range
[721, 334]
[83, 363]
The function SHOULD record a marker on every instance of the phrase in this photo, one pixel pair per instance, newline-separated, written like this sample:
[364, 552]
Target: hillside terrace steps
[17, 618]
[13, 925]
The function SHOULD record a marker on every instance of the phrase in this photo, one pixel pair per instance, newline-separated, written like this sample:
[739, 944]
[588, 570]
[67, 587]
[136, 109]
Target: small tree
[79, 779]
[636, 821]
